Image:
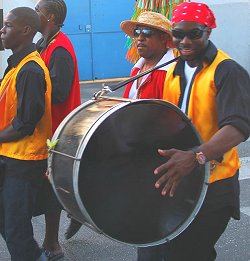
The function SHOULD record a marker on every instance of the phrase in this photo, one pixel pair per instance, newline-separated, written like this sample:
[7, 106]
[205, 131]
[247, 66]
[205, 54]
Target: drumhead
[113, 182]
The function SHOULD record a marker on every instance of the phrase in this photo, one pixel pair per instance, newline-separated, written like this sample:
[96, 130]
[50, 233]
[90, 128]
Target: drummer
[153, 39]
[214, 91]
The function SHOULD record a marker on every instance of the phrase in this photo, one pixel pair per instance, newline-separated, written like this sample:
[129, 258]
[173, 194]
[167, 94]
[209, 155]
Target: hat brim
[129, 26]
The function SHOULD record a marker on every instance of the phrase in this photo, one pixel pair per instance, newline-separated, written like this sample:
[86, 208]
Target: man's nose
[186, 40]
[141, 37]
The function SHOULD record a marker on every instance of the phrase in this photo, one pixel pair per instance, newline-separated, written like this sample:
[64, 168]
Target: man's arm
[10, 134]
[61, 68]
[181, 163]
[232, 99]
[233, 96]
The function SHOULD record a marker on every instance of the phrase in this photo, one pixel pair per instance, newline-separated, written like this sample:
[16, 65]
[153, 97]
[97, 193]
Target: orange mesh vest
[30, 147]
[203, 112]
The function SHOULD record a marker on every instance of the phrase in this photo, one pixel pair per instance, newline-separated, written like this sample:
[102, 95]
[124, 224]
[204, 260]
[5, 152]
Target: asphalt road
[88, 245]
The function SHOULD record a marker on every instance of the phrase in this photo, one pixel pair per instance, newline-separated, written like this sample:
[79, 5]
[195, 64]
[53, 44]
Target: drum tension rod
[105, 89]
[63, 154]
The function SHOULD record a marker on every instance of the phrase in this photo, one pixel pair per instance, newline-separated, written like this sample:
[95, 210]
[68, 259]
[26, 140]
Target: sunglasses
[194, 34]
[145, 32]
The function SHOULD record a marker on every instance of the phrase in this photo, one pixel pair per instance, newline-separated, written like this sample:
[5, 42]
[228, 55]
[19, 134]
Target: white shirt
[189, 73]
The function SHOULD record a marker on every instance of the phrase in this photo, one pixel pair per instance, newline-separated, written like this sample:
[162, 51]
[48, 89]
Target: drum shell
[113, 146]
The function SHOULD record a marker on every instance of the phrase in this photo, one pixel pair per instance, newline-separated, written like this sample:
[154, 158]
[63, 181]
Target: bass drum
[102, 169]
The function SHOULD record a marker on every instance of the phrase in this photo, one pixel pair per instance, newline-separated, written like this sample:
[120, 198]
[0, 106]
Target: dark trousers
[196, 243]
[17, 198]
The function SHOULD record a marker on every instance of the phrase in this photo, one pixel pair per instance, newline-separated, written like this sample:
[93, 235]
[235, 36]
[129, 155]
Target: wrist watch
[199, 156]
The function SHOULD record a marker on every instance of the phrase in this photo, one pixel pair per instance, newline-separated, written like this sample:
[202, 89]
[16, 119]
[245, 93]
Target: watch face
[201, 158]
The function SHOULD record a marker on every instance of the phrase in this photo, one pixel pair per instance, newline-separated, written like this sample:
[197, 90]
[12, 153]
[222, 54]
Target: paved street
[90, 246]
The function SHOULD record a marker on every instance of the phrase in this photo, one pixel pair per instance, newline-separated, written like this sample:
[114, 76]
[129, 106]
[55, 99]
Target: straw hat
[148, 19]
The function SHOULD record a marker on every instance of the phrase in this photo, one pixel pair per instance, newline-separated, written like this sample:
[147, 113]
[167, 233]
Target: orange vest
[202, 110]
[30, 147]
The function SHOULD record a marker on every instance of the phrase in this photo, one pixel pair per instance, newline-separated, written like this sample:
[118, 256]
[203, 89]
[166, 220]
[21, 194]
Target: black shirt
[61, 68]
[31, 88]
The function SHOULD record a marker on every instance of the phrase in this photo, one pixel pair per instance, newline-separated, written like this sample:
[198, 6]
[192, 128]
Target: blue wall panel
[108, 40]
[82, 45]
[94, 28]
[78, 15]
[107, 15]
[109, 53]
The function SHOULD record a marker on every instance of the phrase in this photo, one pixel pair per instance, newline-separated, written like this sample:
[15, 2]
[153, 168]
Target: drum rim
[54, 137]
[82, 146]
[79, 153]
[84, 143]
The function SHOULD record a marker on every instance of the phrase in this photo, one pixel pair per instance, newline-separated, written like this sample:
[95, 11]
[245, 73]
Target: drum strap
[123, 83]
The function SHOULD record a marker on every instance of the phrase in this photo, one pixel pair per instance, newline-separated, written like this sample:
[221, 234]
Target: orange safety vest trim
[202, 110]
[30, 147]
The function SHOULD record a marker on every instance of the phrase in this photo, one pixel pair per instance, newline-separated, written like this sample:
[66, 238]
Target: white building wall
[232, 34]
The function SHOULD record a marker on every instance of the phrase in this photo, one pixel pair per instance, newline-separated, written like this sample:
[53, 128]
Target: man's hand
[179, 164]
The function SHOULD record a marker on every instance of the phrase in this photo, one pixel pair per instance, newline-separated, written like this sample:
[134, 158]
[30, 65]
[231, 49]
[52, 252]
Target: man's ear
[51, 18]
[27, 29]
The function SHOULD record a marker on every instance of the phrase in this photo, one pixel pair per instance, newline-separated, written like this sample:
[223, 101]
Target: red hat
[194, 12]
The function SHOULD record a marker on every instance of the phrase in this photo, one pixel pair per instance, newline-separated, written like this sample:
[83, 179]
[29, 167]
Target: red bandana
[194, 12]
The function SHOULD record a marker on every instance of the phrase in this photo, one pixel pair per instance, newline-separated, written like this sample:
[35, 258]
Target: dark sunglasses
[194, 34]
[145, 32]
